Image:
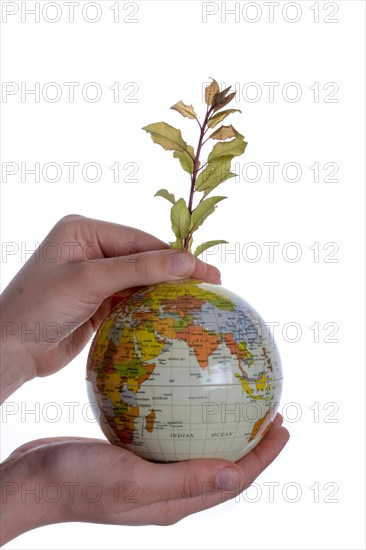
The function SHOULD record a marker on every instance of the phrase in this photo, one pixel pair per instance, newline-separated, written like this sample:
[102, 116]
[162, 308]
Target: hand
[61, 295]
[49, 312]
[93, 481]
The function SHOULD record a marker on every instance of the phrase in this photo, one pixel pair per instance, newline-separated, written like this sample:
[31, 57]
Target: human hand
[90, 480]
[58, 299]
[71, 296]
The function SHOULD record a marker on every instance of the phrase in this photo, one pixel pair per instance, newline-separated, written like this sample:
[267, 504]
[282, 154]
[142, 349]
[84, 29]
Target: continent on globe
[184, 370]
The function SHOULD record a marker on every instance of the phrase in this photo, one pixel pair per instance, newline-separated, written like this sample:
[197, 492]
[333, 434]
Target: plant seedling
[204, 177]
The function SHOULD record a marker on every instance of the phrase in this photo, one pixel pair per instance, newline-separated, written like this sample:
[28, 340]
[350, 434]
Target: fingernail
[180, 264]
[228, 479]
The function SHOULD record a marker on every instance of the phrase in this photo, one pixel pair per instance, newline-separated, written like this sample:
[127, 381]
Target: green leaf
[185, 110]
[178, 244]
[210, 91]
[185, 159]
[225, 132]
[215, 173]
[219, 117]
[224, 101]
[166, 195]
[203, 210]
[233, 148]
[204, 246]
[167, 136]
[181, 219]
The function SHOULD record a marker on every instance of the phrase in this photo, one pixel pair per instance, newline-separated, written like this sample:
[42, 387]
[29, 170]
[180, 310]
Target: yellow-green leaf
[225, 132]
[204, 246]
[203, 210]
[167, 136]
[214, 174]
[219, 117]
[233, 148]
[185, 110]
[185, 159]
[181, 219]
[224, 101]
[210, 91]
[190, 242]
[178, 244]
[166, 195]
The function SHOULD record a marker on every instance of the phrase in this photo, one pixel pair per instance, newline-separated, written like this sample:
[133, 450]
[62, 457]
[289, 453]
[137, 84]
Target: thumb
[110, 275]
[191, 478]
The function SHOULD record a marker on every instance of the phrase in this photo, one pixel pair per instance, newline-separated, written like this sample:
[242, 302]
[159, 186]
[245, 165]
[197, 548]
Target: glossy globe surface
[184, 370]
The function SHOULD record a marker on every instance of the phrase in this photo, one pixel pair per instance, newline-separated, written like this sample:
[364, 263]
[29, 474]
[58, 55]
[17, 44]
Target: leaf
[178, 244]
[203, 210]
[204, 246]
[210, 91]
[185, 159]
[224, 102]
[166, 195]
[181, 219]
[220, 96]
[225, 132]
[167, 136]
[219, 117]
[215, 173]
[185, 110]
[233, 148]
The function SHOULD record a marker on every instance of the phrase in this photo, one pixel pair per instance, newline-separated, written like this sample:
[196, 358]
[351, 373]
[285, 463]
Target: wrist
[16, 368]
[25, 502]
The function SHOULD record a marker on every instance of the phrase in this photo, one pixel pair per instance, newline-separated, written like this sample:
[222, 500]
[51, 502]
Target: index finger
[112, 239]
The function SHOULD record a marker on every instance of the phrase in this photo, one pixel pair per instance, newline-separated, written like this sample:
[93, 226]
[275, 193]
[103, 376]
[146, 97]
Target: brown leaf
[185, 110]
[225, 132]
[224, 102]
[220, 96]
[210, 91]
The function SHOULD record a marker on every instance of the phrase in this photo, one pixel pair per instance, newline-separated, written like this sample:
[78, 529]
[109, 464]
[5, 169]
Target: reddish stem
[196, 168]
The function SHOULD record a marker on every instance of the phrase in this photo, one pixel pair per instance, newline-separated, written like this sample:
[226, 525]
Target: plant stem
[196, 168]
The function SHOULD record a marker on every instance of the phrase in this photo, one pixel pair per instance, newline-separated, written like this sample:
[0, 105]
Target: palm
[101, 482]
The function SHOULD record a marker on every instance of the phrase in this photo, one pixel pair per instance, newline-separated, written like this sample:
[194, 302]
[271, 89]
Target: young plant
[204, 178]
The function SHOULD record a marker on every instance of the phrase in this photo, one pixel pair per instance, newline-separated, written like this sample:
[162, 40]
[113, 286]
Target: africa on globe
[184, 370]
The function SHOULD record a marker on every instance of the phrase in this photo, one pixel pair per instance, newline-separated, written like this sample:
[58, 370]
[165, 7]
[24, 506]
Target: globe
[183, 370]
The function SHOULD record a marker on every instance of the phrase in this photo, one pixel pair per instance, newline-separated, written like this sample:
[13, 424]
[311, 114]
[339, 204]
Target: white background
[169, 53]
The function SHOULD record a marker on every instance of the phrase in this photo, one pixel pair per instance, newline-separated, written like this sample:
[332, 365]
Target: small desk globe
[183, 370]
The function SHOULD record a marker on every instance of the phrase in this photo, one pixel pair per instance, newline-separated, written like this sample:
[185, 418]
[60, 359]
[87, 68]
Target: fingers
[187, 479]
[99, 239]
[264, 453]
[219, 489]
[107, 276]
[117, 257]
[278, 420]
[121, 240]
[162, 493]
[201, 483]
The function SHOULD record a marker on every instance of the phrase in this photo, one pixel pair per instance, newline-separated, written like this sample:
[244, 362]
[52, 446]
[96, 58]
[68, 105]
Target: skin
[71, 282]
